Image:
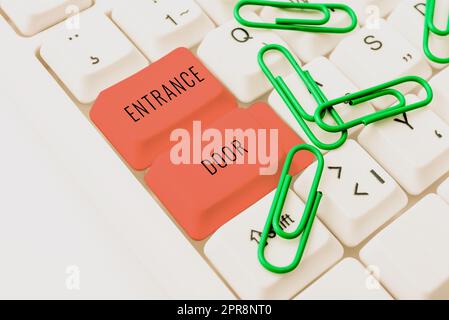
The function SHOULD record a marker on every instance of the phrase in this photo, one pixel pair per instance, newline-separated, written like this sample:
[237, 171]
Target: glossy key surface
[138, 114]
[208, 192]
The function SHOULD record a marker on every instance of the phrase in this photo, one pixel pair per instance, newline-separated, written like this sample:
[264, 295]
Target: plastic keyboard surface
[146, 80]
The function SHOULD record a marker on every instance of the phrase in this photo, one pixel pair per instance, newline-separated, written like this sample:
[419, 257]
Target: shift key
[138, 114]
[210, 177]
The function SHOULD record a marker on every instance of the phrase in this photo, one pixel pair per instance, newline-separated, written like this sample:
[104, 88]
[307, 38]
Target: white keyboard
[382, 227]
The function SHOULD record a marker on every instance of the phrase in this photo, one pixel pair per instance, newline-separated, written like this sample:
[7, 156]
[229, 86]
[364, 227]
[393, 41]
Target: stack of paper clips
[325, 106]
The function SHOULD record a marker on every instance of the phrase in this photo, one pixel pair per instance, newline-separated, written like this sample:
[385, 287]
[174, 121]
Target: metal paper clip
[293, 104]
[430, 27]
[307, 219]
[366, 95]
[307, 25]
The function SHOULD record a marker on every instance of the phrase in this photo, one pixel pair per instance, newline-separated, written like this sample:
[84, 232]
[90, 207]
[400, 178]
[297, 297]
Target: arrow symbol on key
[340, 169]
[358, 193]
[254, 235]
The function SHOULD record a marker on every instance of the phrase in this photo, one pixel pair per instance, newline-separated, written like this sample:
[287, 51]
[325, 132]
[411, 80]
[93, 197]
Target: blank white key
[348, 280]
[92, 58]
[233, 251]
[413, 148]
[308, 45]
[358, 195]
[158, 27]
[333, 84]
[440, 101]
[361, 55]
[443, 190]
[370, 11]
[31, 17]
[230, 51]
[411, 254]
[408, 19]
[221, 11]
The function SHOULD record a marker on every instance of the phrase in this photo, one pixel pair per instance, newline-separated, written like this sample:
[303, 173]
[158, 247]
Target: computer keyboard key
[86, 61]
[440, 101]
[209, 188]
[411, 254]
[158, 27]
[138, 114]
[348, 280]
[308, 45]
[408, 18]
[412, 147]
[230, 52]
[333, 84]
[233, 251]
[363, 54]
[31, 17]
[221, 11]
[358, 195]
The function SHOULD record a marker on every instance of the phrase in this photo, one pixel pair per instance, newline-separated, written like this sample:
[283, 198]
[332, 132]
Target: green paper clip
[293, 104]
[366, 95]
[430, 27]
[307, 219]
[306, 25]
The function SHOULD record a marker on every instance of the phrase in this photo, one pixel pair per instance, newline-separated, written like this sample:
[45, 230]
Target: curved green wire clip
[307, 25]
[430, 27]
[308, 217]
[292, 103]
[382, 90]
